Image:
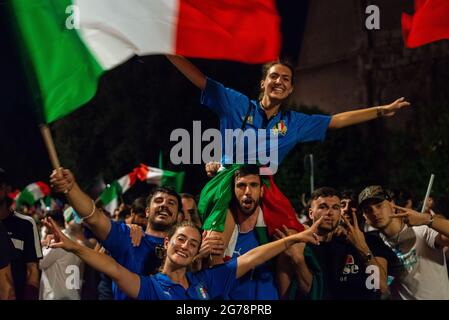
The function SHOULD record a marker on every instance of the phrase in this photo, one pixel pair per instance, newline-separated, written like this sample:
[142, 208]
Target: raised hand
[390, 109]
[62, 180]
[411, 217]
[296, 249]
[211, 245]
[310, 235]
[136, 233]
[354, 235]
[212, 168]
[57, 239]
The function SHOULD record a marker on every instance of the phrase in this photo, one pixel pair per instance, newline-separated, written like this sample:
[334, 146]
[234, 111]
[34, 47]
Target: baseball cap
[372, 192]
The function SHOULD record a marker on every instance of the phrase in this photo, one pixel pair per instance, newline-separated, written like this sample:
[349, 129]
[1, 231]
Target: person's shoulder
[152, 241]
[23, 219]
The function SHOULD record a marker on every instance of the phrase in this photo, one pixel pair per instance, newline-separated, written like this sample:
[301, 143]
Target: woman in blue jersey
[174, 282]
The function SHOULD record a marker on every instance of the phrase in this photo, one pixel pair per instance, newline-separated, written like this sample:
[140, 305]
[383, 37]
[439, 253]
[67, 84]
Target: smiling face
[248, 192]
[277, 84]
[183, 245]
[162, 211]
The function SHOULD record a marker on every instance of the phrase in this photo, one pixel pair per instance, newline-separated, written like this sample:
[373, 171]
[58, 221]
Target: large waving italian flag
[70, 43]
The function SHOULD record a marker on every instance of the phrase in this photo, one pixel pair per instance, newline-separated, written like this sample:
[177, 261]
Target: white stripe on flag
[116, 30]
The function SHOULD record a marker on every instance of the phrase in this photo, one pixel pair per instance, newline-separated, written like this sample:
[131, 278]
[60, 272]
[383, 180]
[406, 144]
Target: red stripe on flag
[429, 23]
[44, 188]
[142, 172]
[246, 31]
[277, 210]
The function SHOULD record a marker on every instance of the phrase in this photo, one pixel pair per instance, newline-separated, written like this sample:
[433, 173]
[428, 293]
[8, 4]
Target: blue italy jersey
[207, 284]
[290, 127]
[257, 284]
[143, 260]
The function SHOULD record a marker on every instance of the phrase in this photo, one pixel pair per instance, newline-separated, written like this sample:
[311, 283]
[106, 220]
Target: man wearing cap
[23, 232]
[417, 239]
[346, 264]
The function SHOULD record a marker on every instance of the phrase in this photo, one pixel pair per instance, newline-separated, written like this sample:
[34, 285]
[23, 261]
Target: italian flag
[110, 197]
[69, 44]
[160, 177]
[32, 193]
[217, 194]
[429, 23]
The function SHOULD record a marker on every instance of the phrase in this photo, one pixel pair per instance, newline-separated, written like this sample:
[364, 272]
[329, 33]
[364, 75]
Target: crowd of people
[240, 239]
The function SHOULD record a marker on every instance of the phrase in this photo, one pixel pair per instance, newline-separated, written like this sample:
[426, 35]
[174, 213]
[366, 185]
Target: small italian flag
[161, 177]
[110, 197]
[32, 193]
[70, 43]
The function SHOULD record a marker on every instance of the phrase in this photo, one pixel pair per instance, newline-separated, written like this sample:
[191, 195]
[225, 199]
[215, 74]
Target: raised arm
[291, 264]
[62, 180]
[350, 118]
[263, 253]
[127, 281]
[414, 218]
[189, 70]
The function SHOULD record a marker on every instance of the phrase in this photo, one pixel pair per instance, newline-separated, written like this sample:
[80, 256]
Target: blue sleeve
[220, 279]
[222, 100]
[118, 240]
[310, 127]
[146, 291]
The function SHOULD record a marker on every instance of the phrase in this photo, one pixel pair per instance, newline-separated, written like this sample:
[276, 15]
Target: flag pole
[48, 140]
[429, 188]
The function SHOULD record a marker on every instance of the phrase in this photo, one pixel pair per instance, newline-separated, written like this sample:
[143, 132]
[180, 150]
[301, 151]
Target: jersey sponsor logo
[350, 266]
[280, 128]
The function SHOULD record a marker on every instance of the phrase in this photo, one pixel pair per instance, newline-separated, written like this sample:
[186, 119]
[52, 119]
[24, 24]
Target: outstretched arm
[127, 281]
[291, 264]
[414, 218]
[350, 118]
[62, 180]
[263, 253]
[189, 70]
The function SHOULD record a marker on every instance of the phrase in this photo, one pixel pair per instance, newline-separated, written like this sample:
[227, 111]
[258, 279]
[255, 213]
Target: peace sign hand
[354, 235]
[411, 217]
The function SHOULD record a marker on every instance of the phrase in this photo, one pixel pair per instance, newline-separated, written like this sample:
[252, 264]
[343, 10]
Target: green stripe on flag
[65, 70]
[25, 197]
[174, 179]
[114, 191]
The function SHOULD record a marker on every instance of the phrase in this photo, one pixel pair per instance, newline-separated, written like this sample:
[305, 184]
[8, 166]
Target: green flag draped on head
[216, 196]
[215, 199]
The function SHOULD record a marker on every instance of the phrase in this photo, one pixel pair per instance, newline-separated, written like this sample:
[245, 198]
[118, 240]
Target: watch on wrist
[368, 256]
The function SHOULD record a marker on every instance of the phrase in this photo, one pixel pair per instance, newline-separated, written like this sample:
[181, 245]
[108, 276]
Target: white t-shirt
[62, 273]
[424, 275]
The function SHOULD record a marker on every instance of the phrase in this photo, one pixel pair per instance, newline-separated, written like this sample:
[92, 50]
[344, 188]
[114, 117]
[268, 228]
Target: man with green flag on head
[233, 200]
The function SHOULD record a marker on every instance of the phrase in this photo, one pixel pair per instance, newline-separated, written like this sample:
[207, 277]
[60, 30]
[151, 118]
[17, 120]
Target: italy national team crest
[202, 292]
[280, 128]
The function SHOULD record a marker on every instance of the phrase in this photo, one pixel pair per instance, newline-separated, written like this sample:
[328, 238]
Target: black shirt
[22, 231]
[343, 269]
[7, 251]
